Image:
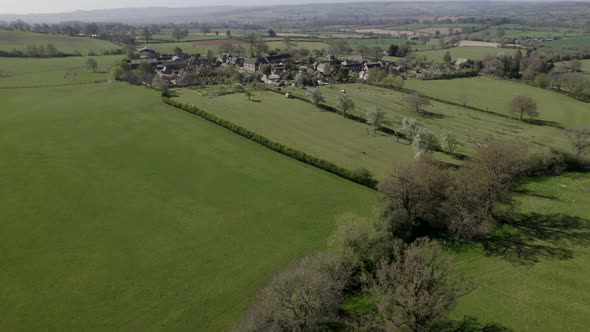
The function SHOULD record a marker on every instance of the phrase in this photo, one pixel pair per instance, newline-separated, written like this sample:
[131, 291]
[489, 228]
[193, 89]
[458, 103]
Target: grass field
[416, 26]
[495, 95]
[27, 72]
[473, 53]
[469, 126]
[570, 44]
[586, 65]
[301, 126]
[12, 39]
[534, 276]
[120, 213]
[299, 44]
[384, 43]
[194, 34]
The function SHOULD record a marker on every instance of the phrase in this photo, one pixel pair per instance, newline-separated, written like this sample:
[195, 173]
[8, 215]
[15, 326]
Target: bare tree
[449, 141]
[523, 105]
[344, 103]
[416, 102]
[92, 64]
[417, 289]
[412, 194]
[315, 96]
[179, 33]
[375, 117]
[580, 140]
[303, 297]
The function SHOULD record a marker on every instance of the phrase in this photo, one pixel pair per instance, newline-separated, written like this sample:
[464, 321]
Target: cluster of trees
[367, 281]
[541, 71]
[36, 51]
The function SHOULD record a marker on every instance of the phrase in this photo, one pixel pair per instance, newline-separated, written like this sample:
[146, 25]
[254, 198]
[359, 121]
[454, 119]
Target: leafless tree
[580, 140]
[417, 289]
[416, 102]
[344, 103]
[524, 105]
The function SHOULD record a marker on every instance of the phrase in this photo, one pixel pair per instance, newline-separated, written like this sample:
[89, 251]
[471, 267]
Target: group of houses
[276, 71]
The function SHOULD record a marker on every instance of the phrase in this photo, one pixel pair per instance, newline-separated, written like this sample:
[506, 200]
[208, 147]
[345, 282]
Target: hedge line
[359, 176]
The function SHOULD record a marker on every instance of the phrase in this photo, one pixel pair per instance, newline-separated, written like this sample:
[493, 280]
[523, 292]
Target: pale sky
[56, 6]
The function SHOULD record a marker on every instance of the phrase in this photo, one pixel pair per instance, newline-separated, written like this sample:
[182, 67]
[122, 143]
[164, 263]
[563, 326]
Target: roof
[145, 49]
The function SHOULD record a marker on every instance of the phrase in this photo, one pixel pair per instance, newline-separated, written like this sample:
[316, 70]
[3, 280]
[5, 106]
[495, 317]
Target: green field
[416, 26]
[495, 95]
[301, 126]
[570, 44]
[384, 43]
[194, 34]
[188, 47]
[586, 65]
[27, 72]
[534, 276]
[12, 39]
[310, 45]
[467, 52]
[469, 126]
[120, 213]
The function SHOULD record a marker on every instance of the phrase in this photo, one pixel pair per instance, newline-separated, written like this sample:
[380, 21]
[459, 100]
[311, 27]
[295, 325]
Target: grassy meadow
[467, 52]
[468, 125]
[120, 213]
[532, 276]
[495, 95]
[570, 44]
[28, 72]
[301, 126]
[12, 39]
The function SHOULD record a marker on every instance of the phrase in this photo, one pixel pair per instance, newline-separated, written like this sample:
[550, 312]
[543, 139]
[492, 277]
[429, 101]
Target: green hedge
[358, 176]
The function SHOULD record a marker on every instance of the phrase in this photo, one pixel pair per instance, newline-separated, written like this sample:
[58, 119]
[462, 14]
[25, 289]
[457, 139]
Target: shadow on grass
[526, 192]
[540, 122]
[469, 324]
[255, 100]
[530, 237]
[432, 115]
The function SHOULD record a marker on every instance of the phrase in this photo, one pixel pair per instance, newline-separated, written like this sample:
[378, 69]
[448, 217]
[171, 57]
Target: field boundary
[361, 177]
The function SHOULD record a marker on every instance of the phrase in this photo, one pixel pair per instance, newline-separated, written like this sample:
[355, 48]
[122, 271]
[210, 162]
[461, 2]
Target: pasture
[310, 45]
[120, 213]
[13, 39]
[301, 126]
[467, 52]
[198, 47]
[27, 72]
[495, 95]
[569, 44]
[468, 125]
[533, 275]
[193, 34]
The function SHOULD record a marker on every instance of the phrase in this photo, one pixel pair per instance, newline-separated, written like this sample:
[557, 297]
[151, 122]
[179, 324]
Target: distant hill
[369, 11]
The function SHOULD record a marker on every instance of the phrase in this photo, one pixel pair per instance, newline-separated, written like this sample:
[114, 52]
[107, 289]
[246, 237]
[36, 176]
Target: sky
[58, 6]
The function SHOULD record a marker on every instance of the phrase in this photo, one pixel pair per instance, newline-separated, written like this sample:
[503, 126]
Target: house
[252, 64]
[460, 61]
[223, 57]
[272, 79]
[368, 66]
[134, 63]
[173, 67]
[353, 63]
[147, 53]
[322, 67]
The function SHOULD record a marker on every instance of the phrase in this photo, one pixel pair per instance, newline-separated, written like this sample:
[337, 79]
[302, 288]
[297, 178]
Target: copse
[523, 106]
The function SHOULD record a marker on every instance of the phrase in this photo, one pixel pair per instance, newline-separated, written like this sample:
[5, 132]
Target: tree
[115, 72]
[416, 102]
[92, 64]
[344, 103]
[205, 29]
[523, 105]
[376, 52]
[146, 34]
[178, 51]
[228, 34]
[248, 94]
[179, 33]
[315, 96]
[449, 141]
[303, 297]
[580, 140]
[410, 125]
[424, 142]
[447, 58]
[375, 117]
[393, 81]
[271, 33]
[392, 50]
[417, 289]
[363, 50]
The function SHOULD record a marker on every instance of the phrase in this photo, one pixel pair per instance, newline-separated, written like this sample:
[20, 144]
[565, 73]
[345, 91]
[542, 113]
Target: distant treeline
[50, 51]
